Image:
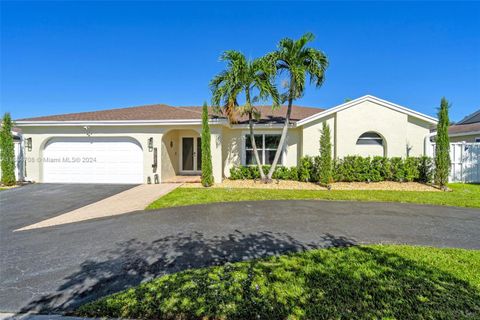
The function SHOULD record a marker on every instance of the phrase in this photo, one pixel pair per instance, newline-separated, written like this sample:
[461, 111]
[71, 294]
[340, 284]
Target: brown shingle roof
[148, 112]
[464, 128]
[165, 112]
[269, 115]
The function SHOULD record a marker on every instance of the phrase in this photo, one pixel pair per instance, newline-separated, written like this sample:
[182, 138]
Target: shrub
[305, 169]
[324, 165]
[376, 172]
[316, 168]
[247, 172]
[386, 172]
[348, 169]
[293, 173]
[207, 176]
[442, 145]
[7, 151]
[352, 168]
[411, 169]
[343, 169]
[281, 173]
[397, 168]
[425, 169]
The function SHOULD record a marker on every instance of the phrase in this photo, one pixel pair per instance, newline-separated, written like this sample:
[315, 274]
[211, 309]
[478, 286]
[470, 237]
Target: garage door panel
[93, 160]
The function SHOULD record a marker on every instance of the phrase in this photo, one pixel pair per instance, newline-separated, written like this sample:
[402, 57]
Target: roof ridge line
[104, 110]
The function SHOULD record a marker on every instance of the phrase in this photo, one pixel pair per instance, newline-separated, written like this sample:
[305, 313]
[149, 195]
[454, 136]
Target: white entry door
[93, 160]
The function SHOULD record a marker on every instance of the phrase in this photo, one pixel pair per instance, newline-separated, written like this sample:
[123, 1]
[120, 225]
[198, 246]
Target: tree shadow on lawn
[356, 282]
[133, 262]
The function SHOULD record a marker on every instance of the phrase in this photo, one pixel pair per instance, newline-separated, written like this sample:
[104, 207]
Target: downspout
[428, 145]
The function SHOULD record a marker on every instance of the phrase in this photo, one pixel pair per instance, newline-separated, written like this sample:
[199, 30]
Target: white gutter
[261, 126]
[116, 123]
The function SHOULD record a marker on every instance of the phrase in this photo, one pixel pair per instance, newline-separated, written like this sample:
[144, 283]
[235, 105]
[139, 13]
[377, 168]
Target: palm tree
[298, 61]
[243, 75]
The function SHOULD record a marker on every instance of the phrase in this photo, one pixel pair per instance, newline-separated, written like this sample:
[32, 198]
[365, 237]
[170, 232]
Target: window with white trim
[267, 145]
[477, 139]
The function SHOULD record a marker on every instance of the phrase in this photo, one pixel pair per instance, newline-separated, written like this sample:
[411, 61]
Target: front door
[191, 154]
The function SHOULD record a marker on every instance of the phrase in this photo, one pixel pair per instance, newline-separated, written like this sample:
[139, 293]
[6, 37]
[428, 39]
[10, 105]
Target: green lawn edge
[358, 282]
[462, 195]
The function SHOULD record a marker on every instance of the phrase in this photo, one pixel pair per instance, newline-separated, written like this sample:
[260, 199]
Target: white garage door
[93, 160]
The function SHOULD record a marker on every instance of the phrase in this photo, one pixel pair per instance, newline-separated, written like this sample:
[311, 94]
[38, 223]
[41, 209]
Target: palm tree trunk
[281, 144]
[252, 136]
[254, 146]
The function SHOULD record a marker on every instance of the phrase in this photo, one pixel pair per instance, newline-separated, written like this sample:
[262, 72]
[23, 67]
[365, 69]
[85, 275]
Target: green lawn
[463, 195]
[364, 282]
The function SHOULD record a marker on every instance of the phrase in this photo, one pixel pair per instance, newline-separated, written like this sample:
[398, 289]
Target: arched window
[370, 138]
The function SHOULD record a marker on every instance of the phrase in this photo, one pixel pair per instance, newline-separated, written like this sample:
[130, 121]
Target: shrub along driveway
[58, 268]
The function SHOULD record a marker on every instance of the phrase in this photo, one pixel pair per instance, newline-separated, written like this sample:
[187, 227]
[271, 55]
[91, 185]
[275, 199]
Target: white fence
[465, 159]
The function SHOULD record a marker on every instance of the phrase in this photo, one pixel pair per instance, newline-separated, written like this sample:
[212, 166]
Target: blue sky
[60, 57]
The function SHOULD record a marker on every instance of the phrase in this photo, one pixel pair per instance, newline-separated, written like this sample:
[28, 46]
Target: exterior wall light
[150, 144]
[28, 144]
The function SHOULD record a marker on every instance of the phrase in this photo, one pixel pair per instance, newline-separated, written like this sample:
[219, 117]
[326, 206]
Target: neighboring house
[157, 142]
[17, 145]
[466, 130]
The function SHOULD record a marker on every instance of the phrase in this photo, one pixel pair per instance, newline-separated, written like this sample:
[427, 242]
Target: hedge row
[348, 169]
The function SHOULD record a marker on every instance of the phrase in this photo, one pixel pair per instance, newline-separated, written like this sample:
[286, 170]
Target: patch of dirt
[296, 185]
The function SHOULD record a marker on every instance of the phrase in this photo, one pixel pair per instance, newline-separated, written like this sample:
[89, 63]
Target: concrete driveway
[57, 268]
[36, 202]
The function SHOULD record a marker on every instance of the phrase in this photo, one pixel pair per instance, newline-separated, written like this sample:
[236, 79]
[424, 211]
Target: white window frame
[477, 139]
[245, 135]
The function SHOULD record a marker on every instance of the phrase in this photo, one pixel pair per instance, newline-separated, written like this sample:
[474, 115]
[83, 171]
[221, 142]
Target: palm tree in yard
[298, 61]
[250, 77]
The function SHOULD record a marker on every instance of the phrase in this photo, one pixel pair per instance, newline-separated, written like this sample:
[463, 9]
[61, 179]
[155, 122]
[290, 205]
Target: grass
[462, 195]
[364, 282]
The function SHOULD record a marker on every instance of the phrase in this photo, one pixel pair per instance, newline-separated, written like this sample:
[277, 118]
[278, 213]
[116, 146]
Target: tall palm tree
[299, 61]
[249, 77]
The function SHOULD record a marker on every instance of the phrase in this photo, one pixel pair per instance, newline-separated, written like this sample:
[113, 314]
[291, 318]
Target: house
[466, 130]
[155, 143]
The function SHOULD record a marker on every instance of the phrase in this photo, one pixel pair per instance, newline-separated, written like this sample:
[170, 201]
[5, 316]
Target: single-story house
[155, 143]
[466, 130]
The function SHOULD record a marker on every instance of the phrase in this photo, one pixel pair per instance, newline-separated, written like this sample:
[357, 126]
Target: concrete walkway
[133, 199]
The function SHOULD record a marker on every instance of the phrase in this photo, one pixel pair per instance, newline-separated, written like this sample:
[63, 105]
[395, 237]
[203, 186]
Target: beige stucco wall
[310, 135]
[398, 130]
[169, 154]
[417, 130]
[231, 149]
[467, 138]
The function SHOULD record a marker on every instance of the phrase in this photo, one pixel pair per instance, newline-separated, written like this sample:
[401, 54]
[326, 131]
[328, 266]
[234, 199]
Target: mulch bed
[297, 185]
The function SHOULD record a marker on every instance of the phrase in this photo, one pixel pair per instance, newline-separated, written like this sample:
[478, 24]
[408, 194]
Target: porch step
[183, 179]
